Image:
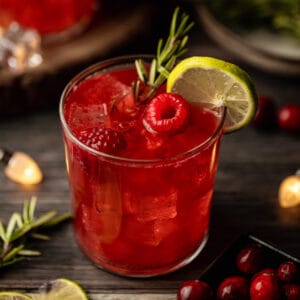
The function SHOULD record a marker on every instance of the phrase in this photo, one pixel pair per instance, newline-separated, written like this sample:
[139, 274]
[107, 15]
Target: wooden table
[251, 167]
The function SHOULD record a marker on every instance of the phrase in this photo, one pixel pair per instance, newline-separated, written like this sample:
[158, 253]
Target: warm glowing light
[289, 191]
[23, 169]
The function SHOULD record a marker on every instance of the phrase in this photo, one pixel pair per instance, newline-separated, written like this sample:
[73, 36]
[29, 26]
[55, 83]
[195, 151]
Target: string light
[20, 167]
[289, 191]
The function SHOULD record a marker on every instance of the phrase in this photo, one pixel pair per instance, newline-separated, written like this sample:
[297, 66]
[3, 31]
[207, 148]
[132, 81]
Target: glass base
[144, 273]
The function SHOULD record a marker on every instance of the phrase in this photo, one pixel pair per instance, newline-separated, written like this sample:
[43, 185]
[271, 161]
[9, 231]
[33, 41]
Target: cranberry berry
[250, 259]
[233, 288]
[265, 117]
[265, 286]
[166, 113]
[288, 272]
[288, 118]
[291, 292]
[195, 290]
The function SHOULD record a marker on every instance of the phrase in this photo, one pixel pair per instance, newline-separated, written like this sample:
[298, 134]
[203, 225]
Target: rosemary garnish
[22, 227]
[166, 56]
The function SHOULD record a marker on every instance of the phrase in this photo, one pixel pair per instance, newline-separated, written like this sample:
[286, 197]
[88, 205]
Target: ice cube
[157, 206]
[107, 198]
[80, 117]
[197, 180]
[140, 233]
[149, 233]
[153, 141]
[20, 48]
[103, 88]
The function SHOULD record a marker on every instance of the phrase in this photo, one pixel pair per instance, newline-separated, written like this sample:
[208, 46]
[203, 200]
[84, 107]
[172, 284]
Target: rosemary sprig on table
[166, 56]
[20, 228]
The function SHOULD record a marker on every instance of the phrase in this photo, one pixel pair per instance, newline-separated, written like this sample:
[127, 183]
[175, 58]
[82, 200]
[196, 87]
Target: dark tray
[224, 265]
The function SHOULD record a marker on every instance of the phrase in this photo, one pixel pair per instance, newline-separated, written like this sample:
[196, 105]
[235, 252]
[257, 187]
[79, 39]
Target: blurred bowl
[274, 53]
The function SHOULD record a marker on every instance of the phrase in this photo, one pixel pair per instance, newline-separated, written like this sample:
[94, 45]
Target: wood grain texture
[251, 166]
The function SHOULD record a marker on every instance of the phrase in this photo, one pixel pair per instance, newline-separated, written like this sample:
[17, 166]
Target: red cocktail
[46, 16]
[141, 198]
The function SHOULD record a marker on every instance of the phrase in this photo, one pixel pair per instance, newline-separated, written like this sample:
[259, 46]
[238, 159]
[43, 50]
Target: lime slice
[214, 83]
[13, 296]
[61, 289]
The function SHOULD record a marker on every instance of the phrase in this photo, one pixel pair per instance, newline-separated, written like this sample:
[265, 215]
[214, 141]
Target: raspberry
[166, 113]
[102, 139]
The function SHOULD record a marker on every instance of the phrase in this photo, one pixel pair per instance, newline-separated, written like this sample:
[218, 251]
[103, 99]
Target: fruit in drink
[214, 82]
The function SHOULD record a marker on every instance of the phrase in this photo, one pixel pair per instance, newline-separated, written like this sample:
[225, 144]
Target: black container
[225, 264]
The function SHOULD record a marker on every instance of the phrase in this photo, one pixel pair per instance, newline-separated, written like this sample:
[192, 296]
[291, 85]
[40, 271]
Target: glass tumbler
[138, 217]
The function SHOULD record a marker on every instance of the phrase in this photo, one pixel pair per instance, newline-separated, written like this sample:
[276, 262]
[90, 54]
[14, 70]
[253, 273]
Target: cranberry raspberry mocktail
[141, 173]
[46, 16]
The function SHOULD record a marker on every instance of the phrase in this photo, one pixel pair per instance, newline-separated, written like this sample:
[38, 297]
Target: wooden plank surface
[251, 167]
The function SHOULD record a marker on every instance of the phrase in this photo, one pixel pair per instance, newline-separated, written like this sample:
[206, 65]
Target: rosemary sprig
[20, 228]
[166, 56]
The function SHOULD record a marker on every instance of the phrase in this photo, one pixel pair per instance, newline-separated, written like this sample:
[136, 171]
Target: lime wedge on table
[214, 82]
[61, 289]
[13, 296]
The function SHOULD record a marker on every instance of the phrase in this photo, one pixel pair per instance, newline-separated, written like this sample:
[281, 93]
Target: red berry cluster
[268, 116]
[252, 281]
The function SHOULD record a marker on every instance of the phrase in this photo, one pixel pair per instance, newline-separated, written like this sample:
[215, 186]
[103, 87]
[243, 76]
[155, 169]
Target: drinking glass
[48, 17]
[139, 217]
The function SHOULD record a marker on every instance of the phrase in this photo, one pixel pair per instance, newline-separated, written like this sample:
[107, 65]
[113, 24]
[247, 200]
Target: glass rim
[107, 63]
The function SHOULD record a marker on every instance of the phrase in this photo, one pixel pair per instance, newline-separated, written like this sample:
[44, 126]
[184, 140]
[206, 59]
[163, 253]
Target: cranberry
[195, 290]
[250, 259]
[233, 288]
[288, 272]
[265, 286]
[288, 118]
[265, 117]
[291, 292]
